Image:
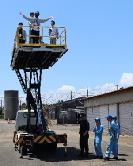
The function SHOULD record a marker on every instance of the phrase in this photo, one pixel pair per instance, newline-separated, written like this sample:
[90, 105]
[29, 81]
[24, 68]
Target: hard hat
[37, 12]
[97, 118]
[114, 117]
[108, 116]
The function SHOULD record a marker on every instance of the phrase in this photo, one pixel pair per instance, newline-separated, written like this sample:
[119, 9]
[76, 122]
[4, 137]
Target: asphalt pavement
[10, 157]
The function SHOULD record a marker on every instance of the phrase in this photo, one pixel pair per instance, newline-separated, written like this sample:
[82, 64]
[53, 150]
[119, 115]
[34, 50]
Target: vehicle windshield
[32, 114]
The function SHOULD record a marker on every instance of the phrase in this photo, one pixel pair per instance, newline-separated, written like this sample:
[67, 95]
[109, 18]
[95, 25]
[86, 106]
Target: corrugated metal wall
[119, 103]
[92, 113]
[113, 109]
[125, 118]
[90, 117]
[103, 113]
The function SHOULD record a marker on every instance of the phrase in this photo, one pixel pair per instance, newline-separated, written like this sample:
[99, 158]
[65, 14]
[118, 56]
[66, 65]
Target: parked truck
[30, 141]
[28, 60]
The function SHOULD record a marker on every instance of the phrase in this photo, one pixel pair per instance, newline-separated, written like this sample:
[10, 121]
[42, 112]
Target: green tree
[23, 106]
[1, 113]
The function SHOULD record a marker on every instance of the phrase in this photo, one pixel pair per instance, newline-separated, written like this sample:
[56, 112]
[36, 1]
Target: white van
[21, 119]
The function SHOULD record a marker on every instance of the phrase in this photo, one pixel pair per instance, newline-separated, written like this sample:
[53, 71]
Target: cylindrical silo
[11, 104]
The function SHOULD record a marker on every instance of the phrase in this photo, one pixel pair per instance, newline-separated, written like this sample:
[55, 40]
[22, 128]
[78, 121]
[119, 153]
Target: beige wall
[120, 96]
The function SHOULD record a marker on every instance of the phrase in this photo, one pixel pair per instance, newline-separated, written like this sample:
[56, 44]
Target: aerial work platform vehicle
[28, 60]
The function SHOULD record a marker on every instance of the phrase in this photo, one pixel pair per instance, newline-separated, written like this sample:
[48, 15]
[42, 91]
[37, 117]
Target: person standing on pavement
[112, 145]
[118, 129]
[98, 129]
[84, 135]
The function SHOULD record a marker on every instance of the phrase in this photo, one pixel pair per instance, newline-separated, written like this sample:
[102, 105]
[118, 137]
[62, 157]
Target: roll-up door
[90, 117]
[125, 118]
[113, 109]
[96, 112]
[103, 113]
[92, 113]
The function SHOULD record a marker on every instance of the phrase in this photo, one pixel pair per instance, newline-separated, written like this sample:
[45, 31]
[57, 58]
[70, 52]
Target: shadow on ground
[120, 159]
[122, 155]
[59, 155]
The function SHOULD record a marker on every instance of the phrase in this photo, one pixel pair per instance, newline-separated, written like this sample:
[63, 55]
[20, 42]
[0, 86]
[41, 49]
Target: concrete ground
[10, 157]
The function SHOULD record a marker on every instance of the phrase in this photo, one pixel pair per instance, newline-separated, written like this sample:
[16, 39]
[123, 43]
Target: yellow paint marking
[35, 140]
[51, 137]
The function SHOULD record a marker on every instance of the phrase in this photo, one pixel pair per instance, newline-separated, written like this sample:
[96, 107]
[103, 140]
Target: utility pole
[1, 103]
[20, 104]
[87, 92]
[71, 95]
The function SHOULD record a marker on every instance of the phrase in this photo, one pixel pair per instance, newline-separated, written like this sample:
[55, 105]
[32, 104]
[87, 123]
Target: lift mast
[31, 59]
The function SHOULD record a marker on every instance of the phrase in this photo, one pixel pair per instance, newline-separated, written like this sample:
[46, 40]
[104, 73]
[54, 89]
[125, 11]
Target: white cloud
[108, 87]
[64, 92]
[105, 86]
[66, 88]
[126, 80]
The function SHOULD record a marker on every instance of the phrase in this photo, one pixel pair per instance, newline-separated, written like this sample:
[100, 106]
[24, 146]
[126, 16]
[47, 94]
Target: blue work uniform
[112, 145]
[118, 133]
[98, 139]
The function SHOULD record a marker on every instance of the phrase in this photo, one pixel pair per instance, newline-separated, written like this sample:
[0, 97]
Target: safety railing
[44, 38]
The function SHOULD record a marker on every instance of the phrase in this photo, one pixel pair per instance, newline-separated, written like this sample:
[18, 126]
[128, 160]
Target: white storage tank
[11, 104]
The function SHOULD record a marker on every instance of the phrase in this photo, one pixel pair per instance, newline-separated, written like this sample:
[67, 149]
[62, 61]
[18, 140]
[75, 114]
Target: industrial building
[67, 112]
[119, 103]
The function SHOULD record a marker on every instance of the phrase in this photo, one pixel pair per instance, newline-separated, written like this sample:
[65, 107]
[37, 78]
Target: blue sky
[99, 39]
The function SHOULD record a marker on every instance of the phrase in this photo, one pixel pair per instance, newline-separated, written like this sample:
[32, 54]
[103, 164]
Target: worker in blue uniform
[112, 145]
[118, 129]
[84, 135]
[98, 129]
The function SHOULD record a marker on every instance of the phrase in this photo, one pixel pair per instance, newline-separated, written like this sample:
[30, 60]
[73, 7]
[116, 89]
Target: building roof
[121, 90]
[117, 96]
